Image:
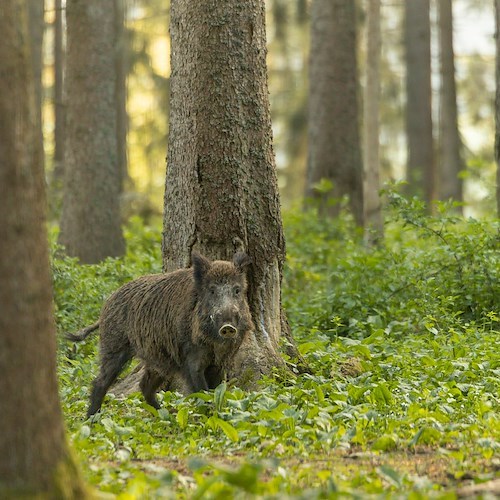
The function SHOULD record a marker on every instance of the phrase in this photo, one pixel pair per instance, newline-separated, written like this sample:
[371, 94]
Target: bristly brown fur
[172, 321]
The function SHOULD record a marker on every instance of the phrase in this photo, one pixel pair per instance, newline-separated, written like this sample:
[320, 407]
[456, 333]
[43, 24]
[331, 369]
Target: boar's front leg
[214, 376]
[194, 371]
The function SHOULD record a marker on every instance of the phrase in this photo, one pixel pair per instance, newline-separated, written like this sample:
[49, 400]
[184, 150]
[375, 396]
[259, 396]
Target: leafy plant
[403, 342]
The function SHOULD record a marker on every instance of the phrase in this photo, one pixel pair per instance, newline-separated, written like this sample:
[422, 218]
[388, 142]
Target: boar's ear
[241, 260]
[200, 266]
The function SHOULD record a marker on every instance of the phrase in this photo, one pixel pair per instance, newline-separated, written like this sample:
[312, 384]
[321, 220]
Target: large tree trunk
[420, 162]
[334, 142]
[221, 188]
[90, 222]
[374, 223]
[450, 145]
[34, 458]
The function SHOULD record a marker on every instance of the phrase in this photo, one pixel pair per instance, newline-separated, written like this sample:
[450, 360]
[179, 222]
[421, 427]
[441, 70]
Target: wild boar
[189, 322]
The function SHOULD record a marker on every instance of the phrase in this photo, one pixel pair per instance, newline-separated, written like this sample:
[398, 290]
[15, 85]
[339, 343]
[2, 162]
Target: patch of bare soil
[468, 478]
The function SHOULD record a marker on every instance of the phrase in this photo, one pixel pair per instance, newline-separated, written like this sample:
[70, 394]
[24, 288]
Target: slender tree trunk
[334, 142]
[497, 101]
[420, 164]
[221, 187]
[121, 51]
[90, 222]
[289, 106]
[374, 223]
[59, 106]
[451, 163]
[36, 29]
[34, 458]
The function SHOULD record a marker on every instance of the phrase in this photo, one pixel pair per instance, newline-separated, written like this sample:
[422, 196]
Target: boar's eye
[237, 290]
[211, 289]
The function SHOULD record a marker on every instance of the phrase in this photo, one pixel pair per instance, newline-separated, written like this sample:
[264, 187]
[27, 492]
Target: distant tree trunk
[420, 164]
[334, 142]
[90, 222]
[221, 187]
[289, 106]
[59, 105]
[374, 224]
[34, 458]
[36, 31]
[450, 145]
[121, 51]
[497, 101]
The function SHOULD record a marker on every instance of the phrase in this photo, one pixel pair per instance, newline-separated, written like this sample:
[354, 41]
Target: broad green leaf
[220, 396]
[182, 417]
[163, 413]
[384, 443]
[85, 431]
[319, 394]
[363, 350]
[226, 427]
[108, 424]
[382, 394]
[425, 435]
[229, 431]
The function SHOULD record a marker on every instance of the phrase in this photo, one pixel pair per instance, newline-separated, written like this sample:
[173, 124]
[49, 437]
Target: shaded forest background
[143, 59]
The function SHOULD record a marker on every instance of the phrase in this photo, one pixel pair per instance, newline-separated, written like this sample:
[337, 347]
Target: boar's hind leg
[111, 366]
[150, 383]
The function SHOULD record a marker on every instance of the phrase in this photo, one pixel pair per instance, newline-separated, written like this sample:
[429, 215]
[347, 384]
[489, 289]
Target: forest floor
[427, 466]
[403, 402]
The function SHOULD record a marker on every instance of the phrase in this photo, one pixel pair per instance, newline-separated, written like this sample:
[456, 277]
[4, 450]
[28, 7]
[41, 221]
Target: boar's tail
[82, 334]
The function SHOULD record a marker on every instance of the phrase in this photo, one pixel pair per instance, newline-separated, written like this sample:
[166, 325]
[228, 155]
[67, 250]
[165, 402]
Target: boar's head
[221, 297]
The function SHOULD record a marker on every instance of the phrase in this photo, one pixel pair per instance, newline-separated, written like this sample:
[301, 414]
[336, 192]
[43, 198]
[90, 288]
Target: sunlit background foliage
[288, 46]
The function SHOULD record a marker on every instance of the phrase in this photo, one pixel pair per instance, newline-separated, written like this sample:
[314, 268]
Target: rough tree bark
[374, 223]
[450, 145]
[34, 457]
[90, 221]
[221, 188]
[334, 138]
[420, 163]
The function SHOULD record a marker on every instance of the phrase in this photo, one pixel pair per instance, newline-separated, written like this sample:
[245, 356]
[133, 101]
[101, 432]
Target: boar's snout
[227, 322]
[228, 331]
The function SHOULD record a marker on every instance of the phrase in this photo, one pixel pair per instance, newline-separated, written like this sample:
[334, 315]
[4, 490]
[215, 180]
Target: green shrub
[403, 341]
[430, 271]
[80, 290]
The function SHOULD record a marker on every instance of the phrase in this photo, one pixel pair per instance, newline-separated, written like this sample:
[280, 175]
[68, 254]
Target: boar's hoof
[228, 331]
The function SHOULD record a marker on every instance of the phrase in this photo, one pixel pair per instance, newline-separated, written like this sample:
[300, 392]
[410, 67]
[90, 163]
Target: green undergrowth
[403, 395]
